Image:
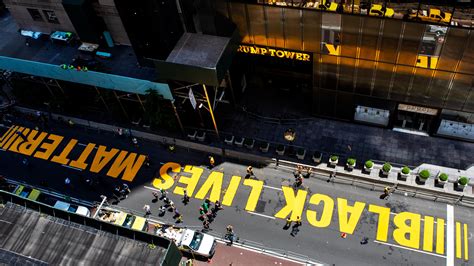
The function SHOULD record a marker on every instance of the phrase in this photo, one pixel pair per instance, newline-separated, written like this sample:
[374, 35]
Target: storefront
[415, 118]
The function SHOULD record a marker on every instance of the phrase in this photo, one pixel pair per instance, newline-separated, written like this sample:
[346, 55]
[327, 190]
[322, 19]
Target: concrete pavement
[258, 225]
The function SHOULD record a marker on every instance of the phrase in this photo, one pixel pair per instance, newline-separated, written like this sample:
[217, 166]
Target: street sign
[192, 99]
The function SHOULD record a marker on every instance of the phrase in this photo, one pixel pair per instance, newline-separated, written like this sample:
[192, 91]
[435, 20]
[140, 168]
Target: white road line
[84, 145]
[151, 188]
[2, 150]
[450, 235]
[412, 249]
[263, 215]
[5, 221]
[77, 169]
[274, 188]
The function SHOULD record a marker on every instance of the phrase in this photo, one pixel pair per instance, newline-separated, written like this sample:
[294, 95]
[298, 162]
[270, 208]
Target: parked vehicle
[188, 240]
[27, 192]
[381, 11]
[433, 15]
[327, 5]
[124, 219]
[81, 210]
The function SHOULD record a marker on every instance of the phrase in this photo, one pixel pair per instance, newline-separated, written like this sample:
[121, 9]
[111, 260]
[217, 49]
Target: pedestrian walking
[167, 201]
[161, 211]
[249, 172]
[120, 132]
[179, 219]
[185, 198]
[172, 208]
[124, 191]
[147, 209]
[295, 229]
[25, 162]
[70, 123]
[163, 194]
[298, 170]
[205, 205]
[298, 181]
[155, 196]
[230, 234]
[147, 161]
[116, 193]
[135, 142]
[387, 192]
[288, 223]
[211, 162]
[206, 225]
[217, 207]
[308, 172]
[176, 213]
[332, 175]
[67, 182]
[202, 214]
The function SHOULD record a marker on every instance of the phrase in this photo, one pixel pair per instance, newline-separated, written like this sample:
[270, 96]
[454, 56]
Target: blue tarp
[98, 79]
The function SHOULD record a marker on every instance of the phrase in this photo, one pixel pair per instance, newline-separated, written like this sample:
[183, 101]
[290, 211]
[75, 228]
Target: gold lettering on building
[274, 52]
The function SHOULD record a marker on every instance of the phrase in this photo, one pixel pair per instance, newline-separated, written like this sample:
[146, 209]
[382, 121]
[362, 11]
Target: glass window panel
[312, 31]
[467, 63]
[350, 33]
[238, 14]
[365, 71]
[421, 81]
[331, 33]
[369, 38]
[327, 102]
[391, 35]
[453, 48]
[275, 26]
[292, 25]
[412, 37]
[346, 74]
[438, 87]
[257, 24]
[382, 80]
[459, 92]
[328, 72]
[401, 82]
[221, 7]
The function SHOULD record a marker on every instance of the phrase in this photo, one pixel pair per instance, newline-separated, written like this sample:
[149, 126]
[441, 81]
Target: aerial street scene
[236, 132]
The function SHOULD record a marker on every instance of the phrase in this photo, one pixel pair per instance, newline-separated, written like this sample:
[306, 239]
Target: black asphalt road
[258, 229]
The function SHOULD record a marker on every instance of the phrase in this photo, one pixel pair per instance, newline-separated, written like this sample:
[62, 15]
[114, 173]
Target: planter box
[264, 147]
[229, 140]
[248, 143]
[201, 136]
[317, 157]
[239, 142]
[301, 154]
[368, 170]
[192, 135]
[333, 163]
[280, 150]
[385, 174]
[421, 180]
[402, 176]
[350, 167]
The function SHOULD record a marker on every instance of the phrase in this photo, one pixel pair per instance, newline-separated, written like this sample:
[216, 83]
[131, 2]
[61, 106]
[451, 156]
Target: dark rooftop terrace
[12, 44]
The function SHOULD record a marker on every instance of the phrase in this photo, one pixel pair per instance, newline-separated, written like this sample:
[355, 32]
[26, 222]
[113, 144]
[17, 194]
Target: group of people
[208, 213]
[121, 192]
[168, 204]
[300, 173]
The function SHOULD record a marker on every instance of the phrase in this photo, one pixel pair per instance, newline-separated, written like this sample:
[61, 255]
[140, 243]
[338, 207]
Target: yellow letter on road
[126, 165]
[48, 148]
[383, 221]
[190, 182]
[348, 224]
[294, 203]
[29, 146]
[214, 180]
[165, 181]
[407, 235]
[252, 201]
[326, 214]
[231, 190]
[102, 158]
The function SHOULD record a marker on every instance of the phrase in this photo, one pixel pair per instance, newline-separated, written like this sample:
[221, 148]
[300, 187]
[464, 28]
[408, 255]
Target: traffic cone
[343, 235]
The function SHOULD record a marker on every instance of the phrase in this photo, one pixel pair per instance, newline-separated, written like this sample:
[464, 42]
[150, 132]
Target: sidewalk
[237, 256]
[359, 141]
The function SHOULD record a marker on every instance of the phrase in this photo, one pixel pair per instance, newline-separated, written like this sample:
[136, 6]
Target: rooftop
[28, 237]
[45, 53]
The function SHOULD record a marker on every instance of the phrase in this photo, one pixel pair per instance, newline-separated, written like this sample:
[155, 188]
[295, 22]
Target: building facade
[398, 64]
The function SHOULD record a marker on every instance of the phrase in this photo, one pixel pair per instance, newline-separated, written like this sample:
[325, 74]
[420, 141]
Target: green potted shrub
[333, 160]
[423, 175]
[368, 166]
[404, 173]
[442, 178]
[351, 162]
[386, 168]
[462, 182]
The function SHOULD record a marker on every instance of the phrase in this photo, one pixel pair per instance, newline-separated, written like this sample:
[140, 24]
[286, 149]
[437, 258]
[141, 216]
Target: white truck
[188, 240]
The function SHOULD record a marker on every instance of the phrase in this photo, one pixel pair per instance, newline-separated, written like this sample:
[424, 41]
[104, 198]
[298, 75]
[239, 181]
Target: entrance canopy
[198, 58]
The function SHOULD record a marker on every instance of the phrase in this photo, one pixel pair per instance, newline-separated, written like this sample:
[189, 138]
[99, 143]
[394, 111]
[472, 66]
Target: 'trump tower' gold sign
[247, 49]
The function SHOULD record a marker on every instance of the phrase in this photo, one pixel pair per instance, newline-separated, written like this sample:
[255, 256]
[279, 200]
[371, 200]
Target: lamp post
[209, 109]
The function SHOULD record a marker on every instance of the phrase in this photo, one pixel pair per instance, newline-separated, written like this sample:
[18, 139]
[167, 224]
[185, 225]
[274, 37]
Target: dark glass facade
[366, 60]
